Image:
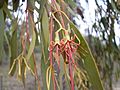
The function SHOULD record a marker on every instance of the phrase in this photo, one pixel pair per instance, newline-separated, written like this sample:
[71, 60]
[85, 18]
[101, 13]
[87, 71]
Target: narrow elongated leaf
[42, 3]
[45, 26]
[14, 46]
[2, 25]
[32, 45]
[89, 62]
[44, 42]
[32, 33]
[45, 34]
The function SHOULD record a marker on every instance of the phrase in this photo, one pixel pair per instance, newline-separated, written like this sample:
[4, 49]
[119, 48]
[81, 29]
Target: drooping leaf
[13, 46]
[2, 25]
[45, 33]
[89, 62]
[31, 45]
[44, 45]
[45, 26]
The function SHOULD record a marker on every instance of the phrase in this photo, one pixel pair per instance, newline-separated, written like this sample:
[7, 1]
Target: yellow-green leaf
[45, 27]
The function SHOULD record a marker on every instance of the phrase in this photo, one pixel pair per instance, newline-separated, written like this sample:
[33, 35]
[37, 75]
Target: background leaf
[45, 43]
[2, 26]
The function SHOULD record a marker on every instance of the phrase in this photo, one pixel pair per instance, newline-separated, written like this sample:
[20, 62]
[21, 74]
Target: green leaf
[13, 45]
[32, 45]
[44, 45]
[30, 55]
[45, 27]
[89, 62]
[2, 26]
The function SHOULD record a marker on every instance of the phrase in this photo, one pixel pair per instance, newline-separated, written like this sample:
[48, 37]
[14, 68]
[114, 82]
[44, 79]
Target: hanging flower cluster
[65, 47]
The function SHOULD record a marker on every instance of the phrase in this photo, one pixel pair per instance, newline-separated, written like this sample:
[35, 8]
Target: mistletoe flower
[68, 47]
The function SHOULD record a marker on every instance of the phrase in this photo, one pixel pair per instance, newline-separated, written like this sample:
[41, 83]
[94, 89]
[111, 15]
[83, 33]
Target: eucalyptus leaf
[89, 62]
[32, 45]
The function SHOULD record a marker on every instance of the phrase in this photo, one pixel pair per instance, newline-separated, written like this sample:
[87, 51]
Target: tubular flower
[68, 48]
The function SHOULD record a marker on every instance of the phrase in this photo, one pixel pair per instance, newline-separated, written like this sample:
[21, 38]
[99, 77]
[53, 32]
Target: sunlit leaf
[31, 45]
[45, 27]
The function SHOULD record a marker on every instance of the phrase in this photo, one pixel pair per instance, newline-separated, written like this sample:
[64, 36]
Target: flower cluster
[65, 47]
